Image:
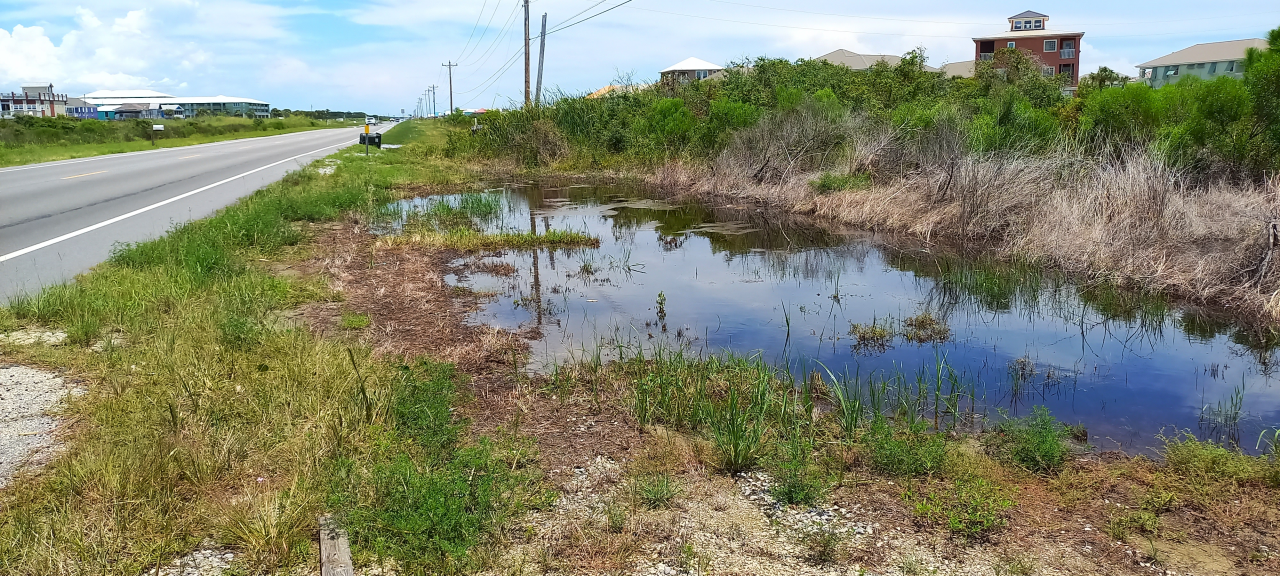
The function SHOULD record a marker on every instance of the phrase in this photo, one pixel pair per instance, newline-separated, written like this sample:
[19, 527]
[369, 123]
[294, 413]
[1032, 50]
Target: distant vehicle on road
[371, 120]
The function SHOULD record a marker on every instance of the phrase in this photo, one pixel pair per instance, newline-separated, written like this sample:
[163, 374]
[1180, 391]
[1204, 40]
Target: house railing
[986, 56]
[1068, 53]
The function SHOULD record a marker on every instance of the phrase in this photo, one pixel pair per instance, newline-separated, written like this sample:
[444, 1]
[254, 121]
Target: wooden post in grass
[335, 550]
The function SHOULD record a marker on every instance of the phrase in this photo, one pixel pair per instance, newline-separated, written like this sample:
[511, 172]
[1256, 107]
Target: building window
[1039, 24]
[1046, 70]
[1050, 45]
[701, 74]
[1213, 67]
[1010, 45]
[1171, 71]
[1231, 66]
[1017, 24]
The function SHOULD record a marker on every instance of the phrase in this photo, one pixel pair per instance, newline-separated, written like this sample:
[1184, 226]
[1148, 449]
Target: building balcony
[986, 56]
[1067, 53]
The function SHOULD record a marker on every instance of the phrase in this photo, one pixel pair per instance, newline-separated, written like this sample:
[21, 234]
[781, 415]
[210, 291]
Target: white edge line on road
[87, 229]
[56, 163]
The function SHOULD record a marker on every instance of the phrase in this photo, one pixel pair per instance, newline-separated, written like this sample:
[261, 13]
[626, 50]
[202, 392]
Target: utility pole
[450, 66]
[526, 54]
[542, 52]
[433, 99]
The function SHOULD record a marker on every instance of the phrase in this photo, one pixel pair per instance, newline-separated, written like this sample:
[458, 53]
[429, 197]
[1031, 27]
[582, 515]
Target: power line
[484, 57]
[475, 26]
[487, 26]
[584, 11]
[611, 8]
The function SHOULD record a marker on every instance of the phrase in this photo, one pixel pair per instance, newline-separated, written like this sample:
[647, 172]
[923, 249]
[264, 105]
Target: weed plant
[655, 491]
[904, 451]
[970, 508]
[1033, 442]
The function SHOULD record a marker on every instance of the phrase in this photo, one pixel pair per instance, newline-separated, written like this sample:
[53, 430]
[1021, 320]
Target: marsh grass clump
[969, 507]
[1204, 462]
[924, 328]
[824, 544]
[795, 481]
[873, 338]
[1142, 522]
[1033, 442]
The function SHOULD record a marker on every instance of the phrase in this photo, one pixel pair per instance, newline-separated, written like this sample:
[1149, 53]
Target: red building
[1057, 50]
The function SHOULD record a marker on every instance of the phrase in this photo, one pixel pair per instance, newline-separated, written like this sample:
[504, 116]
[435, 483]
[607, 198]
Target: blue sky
[380, 55]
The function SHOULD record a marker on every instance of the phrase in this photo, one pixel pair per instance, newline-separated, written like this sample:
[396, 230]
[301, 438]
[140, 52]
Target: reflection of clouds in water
[1126, 373]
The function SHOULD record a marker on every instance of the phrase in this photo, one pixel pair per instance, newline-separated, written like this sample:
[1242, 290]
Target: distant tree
[1013, 69]
[1262, 80]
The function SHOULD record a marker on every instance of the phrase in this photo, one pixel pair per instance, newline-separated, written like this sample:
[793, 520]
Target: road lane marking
[83, 175]
[191, 156]
[104, 223]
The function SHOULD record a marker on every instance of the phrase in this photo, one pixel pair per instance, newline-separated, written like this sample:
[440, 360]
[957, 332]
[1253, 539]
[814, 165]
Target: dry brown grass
[1127, 217]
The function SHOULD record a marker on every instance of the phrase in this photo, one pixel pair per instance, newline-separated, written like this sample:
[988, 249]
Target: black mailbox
[374, 139]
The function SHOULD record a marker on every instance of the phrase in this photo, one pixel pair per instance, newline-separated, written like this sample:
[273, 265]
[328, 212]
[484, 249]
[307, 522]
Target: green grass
[831, 182]
[655, 491]
[35, 153]
[215, 423]
[904, 451]
[432, 133]
[354, 321]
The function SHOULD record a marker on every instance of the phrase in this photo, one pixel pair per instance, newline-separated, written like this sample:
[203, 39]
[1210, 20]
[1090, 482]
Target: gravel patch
[26, 430]
[31, 336]
[209, 560]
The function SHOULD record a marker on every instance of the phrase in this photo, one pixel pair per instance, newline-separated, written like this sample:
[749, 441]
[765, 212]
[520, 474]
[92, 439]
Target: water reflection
[1126, 365]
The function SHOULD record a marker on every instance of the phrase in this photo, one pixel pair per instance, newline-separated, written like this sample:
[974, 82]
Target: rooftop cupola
[1028, 21]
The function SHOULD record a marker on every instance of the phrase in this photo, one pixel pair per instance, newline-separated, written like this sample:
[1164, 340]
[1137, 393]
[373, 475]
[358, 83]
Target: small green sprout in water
[662, 306]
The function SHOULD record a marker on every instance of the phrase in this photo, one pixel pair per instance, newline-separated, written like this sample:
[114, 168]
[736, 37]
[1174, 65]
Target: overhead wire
[475, 26]
[488, 53]
[487, 26]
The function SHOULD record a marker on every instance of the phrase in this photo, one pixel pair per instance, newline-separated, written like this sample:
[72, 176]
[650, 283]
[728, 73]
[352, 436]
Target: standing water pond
[893, 320]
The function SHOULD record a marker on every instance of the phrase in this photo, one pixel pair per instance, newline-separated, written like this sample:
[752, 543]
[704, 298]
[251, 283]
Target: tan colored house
[1205, 61]
[862, 61]
[963, 69]
[34, 100]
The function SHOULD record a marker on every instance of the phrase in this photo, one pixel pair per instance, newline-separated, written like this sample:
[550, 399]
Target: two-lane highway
[59, 219]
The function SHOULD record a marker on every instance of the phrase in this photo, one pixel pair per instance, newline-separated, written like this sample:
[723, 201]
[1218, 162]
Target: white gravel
[26, 396]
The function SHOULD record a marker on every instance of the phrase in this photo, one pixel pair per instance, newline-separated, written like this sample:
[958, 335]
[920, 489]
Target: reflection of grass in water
[457, 222]
[464, 239]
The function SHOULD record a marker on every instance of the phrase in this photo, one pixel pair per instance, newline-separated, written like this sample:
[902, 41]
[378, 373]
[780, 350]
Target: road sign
[158, 127]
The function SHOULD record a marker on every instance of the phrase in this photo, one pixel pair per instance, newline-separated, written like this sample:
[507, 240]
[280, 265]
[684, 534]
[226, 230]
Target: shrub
[1034, 442]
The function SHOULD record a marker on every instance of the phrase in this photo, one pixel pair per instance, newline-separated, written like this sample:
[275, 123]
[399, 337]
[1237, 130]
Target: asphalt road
[59, 219]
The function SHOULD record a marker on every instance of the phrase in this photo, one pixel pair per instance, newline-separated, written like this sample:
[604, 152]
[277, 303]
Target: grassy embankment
[1168, 190]
[206, 416]
[67, 139]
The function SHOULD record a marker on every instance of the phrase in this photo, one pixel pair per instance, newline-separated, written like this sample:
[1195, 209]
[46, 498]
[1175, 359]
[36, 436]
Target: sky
[380, 56]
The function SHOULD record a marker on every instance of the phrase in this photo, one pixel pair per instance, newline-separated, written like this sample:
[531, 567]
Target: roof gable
[692, 64]
[1028, 14]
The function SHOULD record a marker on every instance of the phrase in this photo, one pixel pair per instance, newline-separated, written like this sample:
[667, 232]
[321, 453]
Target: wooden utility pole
[527, 100]
[450, 66]
[433, 99]
[542, 52]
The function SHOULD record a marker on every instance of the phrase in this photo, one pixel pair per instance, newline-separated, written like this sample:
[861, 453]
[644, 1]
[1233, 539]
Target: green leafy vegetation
[971, 508]
[904, 451]
[832, 182]
[354, 321]
[655, 491]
